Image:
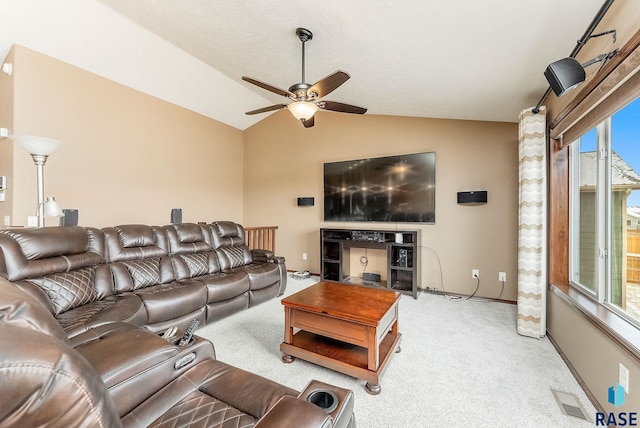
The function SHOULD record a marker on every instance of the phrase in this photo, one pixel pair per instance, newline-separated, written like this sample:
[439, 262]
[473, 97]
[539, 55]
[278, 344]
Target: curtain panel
[532, 254]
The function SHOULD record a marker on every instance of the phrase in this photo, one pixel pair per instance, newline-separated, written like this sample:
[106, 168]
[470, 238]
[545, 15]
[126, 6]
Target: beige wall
[6, 146]
[283, 161]
[126, 157]
[593, 355]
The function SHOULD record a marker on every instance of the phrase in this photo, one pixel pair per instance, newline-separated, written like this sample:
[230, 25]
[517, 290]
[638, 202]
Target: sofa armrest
[260, 255]
[293, 412]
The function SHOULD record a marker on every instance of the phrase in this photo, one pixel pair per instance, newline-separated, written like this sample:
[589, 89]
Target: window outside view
[607, 210]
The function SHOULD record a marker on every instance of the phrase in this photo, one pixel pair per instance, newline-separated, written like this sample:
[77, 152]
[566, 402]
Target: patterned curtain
[532, 256]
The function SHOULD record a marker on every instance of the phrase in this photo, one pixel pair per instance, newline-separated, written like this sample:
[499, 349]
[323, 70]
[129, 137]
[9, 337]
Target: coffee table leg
[287, 358]
[372, 389]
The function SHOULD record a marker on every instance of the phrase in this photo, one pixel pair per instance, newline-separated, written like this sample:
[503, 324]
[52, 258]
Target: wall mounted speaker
[176, 215]
[564, 75]
[306, 202]
[70, 217]
[475, 197]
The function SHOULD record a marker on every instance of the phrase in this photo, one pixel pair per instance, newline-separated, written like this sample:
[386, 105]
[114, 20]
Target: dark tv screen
[398, 189]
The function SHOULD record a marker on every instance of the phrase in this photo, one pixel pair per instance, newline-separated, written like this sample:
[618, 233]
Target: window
[604, 213]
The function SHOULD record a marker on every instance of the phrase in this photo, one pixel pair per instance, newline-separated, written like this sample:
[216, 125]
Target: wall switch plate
[304, 256]
[475, 273]
[502, 276]
[32, 221]
[623, 377]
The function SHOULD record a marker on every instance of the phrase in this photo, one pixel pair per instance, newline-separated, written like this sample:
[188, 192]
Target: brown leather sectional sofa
[82, 312]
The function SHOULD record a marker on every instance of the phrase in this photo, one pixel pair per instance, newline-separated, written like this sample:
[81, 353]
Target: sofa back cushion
[226, 234]
[228, 240]
[191, 251]
[19, 308]
[62, 266]
[138, 256]
[32, 253]
[68, 290]
[134, 242]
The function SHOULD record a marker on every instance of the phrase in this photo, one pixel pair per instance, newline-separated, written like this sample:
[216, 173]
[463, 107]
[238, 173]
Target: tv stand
[401, 247]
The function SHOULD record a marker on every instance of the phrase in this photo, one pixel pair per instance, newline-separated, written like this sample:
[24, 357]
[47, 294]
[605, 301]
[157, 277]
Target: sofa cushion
[226, 234]
[29, 253]
[134, 242]
[187, 238]
[45, 382]
[68, 290]
[213, 391]
[167, 301]
[125, 308]
[21, 309]
[225, 285]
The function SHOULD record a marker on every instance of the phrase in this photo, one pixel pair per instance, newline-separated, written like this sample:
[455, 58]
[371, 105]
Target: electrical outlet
[32, 221]
[304, 256]
[475, 273]
[623, 377]
[502, 276]
[7, 220]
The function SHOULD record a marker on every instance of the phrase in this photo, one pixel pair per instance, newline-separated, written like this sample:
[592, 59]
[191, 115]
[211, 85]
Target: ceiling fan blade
[340, 107]
[328, 84]
[269, 87]
[309, 122]
[266, 109]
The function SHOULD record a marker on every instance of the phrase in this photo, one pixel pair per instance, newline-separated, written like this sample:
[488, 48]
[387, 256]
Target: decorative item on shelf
[475, 197]
[40, 148]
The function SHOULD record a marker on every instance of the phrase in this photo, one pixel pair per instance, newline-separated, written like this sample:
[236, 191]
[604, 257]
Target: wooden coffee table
[346, 328]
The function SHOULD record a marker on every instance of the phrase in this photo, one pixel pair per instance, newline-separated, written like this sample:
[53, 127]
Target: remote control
[186, 337]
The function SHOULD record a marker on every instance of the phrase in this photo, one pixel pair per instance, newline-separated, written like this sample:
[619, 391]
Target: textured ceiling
[463, 59]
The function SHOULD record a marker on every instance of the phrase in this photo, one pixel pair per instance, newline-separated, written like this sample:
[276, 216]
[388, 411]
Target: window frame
[602, 295]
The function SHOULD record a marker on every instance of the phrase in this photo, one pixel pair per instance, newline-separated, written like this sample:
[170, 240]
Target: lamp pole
[40, 160]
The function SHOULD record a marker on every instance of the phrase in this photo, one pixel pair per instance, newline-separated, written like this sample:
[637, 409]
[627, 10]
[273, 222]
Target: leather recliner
[46, 382]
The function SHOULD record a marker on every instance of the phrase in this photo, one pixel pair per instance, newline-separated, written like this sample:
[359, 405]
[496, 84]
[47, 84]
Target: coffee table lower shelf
[342, 357]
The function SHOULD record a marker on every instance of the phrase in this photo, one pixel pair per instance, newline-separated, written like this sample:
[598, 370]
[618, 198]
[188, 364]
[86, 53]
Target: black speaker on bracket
[176, 215]
[564, 75]
[306, 202]
[70, 217]
[475, 197]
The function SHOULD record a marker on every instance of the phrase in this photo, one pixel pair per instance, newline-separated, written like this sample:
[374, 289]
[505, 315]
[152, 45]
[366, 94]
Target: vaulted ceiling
[459, 59]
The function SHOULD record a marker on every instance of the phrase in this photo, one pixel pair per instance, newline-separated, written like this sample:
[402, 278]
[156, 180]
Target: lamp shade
[51, 208]
[37, 145]
[564, 75]
[302, 110]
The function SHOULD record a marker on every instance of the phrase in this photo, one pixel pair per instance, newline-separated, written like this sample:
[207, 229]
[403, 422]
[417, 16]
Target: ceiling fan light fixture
[302, 110]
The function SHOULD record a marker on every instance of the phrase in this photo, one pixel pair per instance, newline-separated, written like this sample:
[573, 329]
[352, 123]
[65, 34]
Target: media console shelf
[402, 256]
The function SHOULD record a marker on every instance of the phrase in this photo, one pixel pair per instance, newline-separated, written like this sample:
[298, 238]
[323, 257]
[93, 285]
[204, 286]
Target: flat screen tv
[397, 189]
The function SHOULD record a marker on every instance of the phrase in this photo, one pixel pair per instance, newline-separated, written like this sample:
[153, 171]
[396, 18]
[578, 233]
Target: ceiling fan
[306, 97]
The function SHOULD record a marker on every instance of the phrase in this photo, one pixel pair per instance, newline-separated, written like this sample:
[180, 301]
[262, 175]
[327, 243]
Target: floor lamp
[40, 148]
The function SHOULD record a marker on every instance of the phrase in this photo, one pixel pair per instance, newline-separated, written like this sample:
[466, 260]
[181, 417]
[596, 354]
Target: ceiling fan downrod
[304, 35]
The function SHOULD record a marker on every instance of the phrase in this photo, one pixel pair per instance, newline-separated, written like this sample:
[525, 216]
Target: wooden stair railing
[261, 237]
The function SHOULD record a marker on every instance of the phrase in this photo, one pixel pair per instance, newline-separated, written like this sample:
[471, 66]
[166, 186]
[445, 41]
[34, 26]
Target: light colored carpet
[462, 364]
